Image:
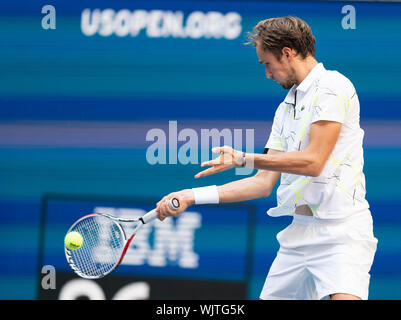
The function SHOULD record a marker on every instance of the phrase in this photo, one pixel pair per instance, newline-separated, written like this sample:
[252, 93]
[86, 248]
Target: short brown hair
[276, 33]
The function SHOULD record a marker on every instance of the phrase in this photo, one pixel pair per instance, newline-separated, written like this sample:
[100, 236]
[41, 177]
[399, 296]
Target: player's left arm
[323, 136]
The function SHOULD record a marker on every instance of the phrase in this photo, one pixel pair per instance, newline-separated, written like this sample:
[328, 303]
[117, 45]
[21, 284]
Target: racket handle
[174, 204]
[149, 217]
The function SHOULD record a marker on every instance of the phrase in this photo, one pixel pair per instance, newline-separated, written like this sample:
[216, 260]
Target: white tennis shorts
[318, 258]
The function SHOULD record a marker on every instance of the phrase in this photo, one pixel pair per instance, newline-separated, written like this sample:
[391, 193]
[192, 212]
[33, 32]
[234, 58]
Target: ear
[288, 53]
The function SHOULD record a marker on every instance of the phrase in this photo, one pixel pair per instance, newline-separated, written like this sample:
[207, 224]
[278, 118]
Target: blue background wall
[75, 110]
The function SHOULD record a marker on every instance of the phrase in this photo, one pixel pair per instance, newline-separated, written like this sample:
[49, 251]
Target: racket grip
[150, 216]
[174, 204]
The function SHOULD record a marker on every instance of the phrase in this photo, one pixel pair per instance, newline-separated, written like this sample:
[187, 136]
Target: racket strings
[103, 243]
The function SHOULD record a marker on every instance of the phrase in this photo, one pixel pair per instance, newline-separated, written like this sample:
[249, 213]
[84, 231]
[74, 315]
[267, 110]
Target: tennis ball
[73, 240]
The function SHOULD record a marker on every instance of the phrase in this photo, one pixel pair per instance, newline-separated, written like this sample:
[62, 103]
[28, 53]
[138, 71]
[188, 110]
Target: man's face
[279, 70]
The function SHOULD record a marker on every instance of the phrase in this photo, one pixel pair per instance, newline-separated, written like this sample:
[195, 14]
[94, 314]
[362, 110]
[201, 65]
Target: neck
[303, 68]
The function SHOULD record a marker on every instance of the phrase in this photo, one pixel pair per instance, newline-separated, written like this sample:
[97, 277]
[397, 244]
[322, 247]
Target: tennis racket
[104, 242]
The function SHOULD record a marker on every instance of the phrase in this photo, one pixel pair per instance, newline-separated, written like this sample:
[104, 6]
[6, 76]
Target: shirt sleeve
[330, 106]
[276, 140]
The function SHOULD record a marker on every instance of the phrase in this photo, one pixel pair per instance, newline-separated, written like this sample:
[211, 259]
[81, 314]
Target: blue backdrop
[77, 103]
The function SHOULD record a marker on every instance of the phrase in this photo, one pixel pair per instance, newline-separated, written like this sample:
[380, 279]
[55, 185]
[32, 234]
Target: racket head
[104, 242]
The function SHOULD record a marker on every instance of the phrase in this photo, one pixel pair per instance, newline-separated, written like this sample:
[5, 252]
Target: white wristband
[206, 195]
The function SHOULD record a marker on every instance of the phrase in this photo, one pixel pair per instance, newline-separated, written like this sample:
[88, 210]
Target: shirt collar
[311, 77]
[305, 84]
[290, 97]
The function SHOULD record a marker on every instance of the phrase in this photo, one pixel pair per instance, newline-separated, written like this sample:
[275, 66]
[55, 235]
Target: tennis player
[315, 148]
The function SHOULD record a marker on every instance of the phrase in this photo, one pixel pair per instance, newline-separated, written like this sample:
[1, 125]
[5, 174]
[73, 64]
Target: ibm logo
[160, 244]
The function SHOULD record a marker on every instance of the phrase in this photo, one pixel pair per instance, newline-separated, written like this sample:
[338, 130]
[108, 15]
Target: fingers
[214, 162]
[163, 213]
[223, 149]
[160, 210]
[218, 161]
[163, 209]
[218, 165]
[226, 157]
[207, 172]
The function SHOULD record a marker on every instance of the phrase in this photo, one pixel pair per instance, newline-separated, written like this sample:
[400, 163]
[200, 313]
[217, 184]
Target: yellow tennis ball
[73, 240]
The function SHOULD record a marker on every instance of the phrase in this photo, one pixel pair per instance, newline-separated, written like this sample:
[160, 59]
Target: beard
[289, 82]
[287, 85]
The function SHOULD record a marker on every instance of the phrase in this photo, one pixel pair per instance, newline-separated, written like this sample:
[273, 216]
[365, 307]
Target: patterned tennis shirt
[340, 190]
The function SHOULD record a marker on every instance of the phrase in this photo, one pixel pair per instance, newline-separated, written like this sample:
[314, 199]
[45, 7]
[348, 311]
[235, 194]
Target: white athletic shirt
[339, 191]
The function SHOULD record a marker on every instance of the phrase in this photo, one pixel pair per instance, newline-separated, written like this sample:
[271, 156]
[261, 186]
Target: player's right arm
[258, 186]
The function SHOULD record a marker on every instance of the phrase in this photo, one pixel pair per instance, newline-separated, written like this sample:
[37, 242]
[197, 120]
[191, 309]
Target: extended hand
[185, 197]
[228, 159]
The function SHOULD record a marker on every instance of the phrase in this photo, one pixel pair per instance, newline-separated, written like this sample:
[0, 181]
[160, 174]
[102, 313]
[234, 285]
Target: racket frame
[147, 218]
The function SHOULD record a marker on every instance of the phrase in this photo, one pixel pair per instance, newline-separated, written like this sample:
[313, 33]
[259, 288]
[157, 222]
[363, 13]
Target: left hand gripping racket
[104, 242]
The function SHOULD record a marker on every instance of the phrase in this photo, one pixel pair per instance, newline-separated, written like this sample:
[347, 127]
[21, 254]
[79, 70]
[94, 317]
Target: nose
[268, 73]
